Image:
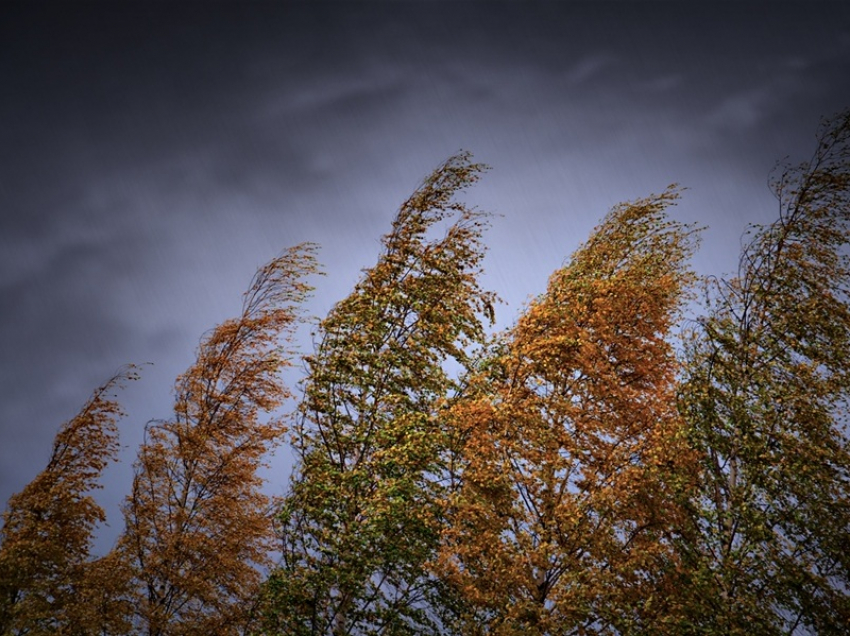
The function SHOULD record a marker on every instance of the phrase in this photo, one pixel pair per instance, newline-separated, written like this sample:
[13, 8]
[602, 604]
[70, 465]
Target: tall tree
[361, 519]
[766, 398]
[198, 526]
[573, 462]
[49, 583]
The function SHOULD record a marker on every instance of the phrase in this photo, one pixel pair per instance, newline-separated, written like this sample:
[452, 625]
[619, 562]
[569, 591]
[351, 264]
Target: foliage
[575, 474]
[198, 526]
[49, 584]
[573, 456]
[362, 517]
[766, 398]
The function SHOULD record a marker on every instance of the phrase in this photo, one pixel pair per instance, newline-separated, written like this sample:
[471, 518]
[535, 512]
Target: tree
[49, 583]
[362, 517]
[766, 398]
[573, 464]
[573, 475]
[198, 526]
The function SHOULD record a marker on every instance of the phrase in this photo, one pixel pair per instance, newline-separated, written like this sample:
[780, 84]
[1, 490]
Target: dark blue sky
[154, 155]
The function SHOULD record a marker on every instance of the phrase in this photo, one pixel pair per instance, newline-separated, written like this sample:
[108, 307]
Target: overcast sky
[153, 156]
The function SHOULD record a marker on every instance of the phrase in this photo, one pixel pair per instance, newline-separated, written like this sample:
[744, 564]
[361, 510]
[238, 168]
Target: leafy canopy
[578, 473]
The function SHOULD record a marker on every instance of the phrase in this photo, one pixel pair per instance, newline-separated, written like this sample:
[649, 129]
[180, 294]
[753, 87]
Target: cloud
[589, 67]
[665, 83]
[745, 109]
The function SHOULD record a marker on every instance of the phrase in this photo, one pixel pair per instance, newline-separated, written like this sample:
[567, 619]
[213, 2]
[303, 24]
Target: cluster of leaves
[575, 474]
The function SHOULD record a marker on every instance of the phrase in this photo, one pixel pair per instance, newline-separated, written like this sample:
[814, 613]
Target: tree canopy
[644, 451]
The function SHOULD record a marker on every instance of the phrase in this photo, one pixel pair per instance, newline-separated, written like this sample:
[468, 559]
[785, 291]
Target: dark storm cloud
[154, 155]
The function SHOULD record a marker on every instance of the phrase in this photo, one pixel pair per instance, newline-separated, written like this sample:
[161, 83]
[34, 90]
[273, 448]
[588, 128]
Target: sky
[154, 155]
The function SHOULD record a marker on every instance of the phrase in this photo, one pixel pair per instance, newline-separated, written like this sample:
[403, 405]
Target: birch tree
[198, 526]
[766, 398]
[49, 581]
[362, 518]
[574, 464]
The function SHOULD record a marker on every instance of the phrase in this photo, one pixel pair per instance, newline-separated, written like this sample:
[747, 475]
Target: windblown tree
[49, 582]
[362, 518]
[766, 398]
[573, 475]
[198, 527]
[573, 462]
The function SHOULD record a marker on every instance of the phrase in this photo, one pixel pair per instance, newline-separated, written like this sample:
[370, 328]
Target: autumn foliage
[49, 580]
[198, 526]
[642, 452]
[574, 455]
